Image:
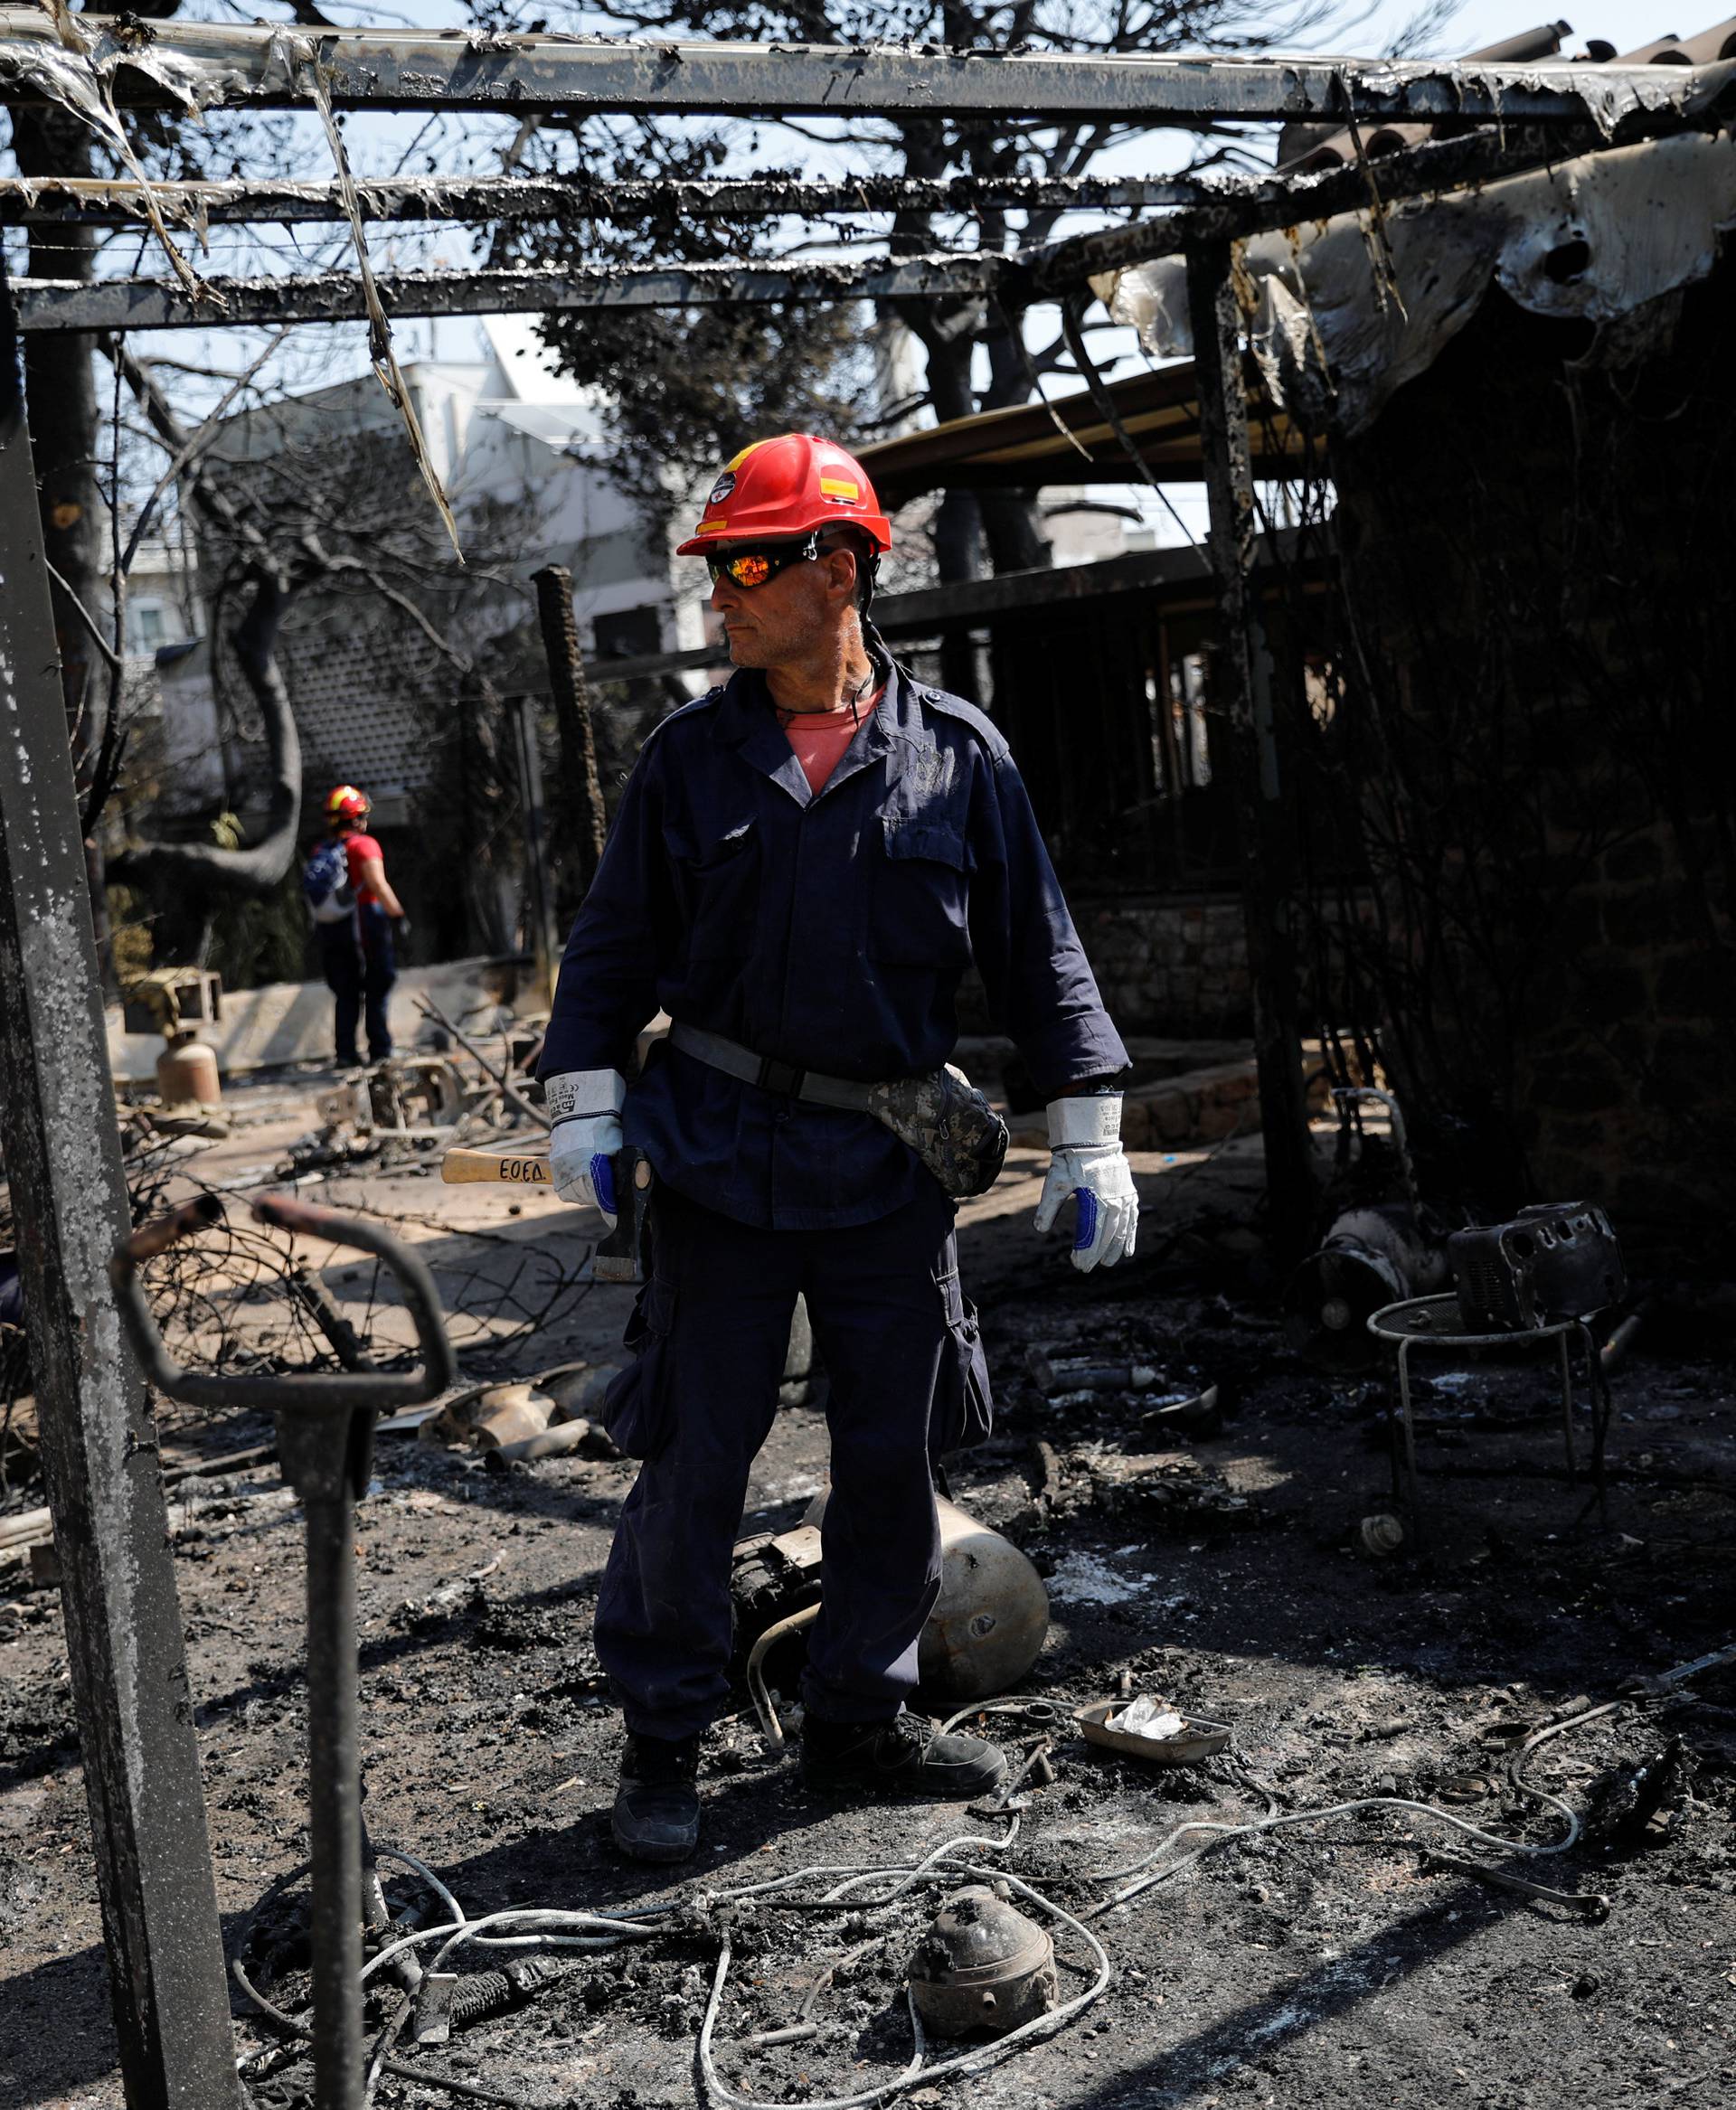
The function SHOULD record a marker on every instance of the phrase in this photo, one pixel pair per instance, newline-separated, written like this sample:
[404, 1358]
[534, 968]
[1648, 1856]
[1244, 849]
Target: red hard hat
[347, 803]
[788, 486]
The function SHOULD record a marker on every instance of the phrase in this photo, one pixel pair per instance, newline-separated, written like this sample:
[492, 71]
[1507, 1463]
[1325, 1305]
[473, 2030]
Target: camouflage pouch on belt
[948, 1124]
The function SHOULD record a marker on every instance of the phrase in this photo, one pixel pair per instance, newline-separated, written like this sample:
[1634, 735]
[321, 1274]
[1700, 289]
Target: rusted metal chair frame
[325, 1444]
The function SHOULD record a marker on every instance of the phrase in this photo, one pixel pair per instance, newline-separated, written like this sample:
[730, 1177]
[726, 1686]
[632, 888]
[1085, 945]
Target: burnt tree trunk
[203, 870]
[974, 531]
[202, 867]
[1011, 521]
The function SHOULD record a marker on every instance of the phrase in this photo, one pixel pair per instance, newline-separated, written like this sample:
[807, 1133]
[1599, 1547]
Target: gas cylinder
[186, 1070]
[989, 1621]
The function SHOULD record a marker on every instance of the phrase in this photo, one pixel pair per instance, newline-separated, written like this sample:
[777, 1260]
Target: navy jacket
[827, 931]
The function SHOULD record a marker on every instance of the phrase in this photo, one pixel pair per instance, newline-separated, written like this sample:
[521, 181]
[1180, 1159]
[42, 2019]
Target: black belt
[786, 1078]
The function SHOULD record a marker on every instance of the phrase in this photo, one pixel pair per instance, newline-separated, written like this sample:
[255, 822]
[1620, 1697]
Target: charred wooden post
[582, 791]
[124, 1637]
[1265, 827]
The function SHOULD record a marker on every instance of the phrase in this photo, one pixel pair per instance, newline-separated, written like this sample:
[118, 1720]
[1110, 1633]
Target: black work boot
[906, 1757]
[656, 1804]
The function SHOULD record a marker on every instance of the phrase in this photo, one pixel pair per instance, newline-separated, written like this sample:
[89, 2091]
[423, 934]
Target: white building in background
[502, 427]
[163, 607]
[503, 430]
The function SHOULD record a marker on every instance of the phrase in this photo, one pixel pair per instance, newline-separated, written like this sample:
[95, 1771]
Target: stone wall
[1627, 1092]
[1170, 964]
[1176, 965]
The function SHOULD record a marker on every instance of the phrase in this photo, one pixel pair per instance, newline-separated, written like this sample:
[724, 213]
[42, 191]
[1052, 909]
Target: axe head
[621, 1256]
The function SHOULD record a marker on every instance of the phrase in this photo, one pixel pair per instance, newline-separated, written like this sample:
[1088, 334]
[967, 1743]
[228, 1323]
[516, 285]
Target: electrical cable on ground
[288, 2024]
[843, 1889]
[771, 1728]
[1286, 1818]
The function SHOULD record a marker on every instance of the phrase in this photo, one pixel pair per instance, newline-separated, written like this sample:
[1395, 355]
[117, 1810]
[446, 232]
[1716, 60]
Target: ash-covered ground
[1327, 1961]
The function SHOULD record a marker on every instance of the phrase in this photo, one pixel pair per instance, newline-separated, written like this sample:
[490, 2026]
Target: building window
[1181, 748]
[147, 622]
[628, 634]
[1191, 706]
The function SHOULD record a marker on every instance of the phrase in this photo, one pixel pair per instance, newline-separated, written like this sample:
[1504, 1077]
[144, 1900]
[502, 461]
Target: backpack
[325, 883]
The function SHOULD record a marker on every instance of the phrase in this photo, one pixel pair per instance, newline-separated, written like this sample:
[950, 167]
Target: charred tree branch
[257, 869]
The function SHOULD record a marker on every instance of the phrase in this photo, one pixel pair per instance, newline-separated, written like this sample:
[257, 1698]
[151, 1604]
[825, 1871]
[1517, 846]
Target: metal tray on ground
[1200, 1739]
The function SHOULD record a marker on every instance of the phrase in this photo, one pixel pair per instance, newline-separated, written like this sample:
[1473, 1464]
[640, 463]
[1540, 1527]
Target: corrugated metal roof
[1600, 239]
[1303, 147]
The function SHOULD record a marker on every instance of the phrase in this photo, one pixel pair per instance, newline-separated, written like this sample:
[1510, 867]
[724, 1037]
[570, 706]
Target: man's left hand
[1086, 1161]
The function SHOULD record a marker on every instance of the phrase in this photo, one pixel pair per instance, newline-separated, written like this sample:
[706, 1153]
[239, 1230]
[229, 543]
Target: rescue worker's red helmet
[788, 486]
[347, 804]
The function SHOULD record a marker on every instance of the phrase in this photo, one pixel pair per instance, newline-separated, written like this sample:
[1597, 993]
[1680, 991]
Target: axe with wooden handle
[510, 1168]
[621, 1255]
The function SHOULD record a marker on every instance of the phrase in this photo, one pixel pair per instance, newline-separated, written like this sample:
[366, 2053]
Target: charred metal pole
[539, 901]
[1243, 678]
[582, 791]
[124, 1639]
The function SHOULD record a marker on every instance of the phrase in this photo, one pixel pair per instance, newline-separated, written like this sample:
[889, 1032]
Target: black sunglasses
[754, 566]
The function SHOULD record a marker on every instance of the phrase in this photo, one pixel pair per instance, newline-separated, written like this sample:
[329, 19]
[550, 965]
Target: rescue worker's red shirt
[360, 849]
[820, 737]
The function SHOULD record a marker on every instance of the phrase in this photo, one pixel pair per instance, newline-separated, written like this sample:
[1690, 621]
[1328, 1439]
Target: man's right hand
[586, 1105]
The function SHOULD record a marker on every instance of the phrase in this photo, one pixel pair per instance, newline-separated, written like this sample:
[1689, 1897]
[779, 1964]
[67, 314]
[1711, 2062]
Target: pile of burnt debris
[399, 1113]
[470, 1081]
[1097, 1553]
[1121, 1780]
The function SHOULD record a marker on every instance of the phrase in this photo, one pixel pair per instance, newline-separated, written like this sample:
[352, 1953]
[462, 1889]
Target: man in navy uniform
[804, 864]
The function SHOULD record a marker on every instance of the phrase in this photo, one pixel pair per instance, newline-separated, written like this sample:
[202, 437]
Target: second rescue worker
[804, 864]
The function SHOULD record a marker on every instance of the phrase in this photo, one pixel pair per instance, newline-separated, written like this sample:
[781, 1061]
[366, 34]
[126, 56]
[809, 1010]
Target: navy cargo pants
[711, 1330]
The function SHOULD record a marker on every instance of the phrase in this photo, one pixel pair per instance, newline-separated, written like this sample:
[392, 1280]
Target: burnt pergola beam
[579, 197]
[1225, 212]
[218, 66]
[336, 296]
[1224, 200]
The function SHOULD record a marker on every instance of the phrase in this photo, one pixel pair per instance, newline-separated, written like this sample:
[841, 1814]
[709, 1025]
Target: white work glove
[586, 1108]
[1087, 1160]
